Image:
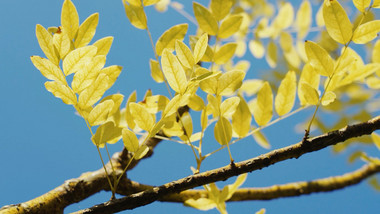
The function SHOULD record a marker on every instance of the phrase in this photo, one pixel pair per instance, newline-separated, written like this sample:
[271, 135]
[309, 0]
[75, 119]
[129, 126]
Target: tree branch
[223, 173]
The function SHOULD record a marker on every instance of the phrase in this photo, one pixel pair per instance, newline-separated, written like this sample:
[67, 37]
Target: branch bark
[223, 173]
[75, 190]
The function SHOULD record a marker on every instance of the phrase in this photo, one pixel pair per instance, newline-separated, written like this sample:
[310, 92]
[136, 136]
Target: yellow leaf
[106, 132]
[229, 82]
[204, 119]
[251, 86]
[286, 94]
[45, 40]
[284, 17]
[48, 69]
[360, 74]
[261, 211]
[196, 103]
[112, 72]
[241, 119]
[77, 58]
[61, 91]
[206, 20]
[128, 115]
[150, 2]
[86, 31]
[172, 106]
[366, 32]
[228, 106]
[200, 47]
[143, 150]
[292, 57]
[173, 72]
[184, 54]
[257, 48]
[310, 95]
[141, 116]
[263, 109]
[319, 17]
[271, 56]
[209, 55]
[62, 43]
[303, 19]
[373, 82]
[187, 125]
[136, 15]
[225, 53]
[200, 203]
[130, 140]
[87, 75]
[214, 104]
[70, 19]
[94, 92]
[361, 5]
[220, 8]
[155, 71]
[261, 139]
[376, 139]
[117, 100]
[376, 4]
[319, 58]
[328, 98]
[156, 103]
[233, 187]
[309, 76]
[223, 131]
[230, 26]
[103, 45]
[286, 41]
[376, 52]
[100, 113]
[337, 23]
[168, 38]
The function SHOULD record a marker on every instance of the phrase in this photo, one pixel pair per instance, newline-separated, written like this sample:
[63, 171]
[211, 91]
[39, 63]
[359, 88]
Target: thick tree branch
[223, 173]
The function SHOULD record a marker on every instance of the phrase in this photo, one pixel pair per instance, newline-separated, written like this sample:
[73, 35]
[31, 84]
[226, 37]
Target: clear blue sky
[43, 143]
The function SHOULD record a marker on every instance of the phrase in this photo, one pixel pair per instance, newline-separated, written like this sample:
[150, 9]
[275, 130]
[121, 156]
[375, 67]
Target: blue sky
[43, 143]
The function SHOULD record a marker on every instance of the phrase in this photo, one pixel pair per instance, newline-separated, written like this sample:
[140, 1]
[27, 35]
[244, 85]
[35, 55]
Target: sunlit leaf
[196, 103]
[376, 139]
[229, 82]
[69, 18]
[220, 8]
[61, 42]
[286, 94]
[86, 31]
[206, 20]
[263, 109]
[136, 15]
[173, 72]
[88, 73]
[128, 115]
[103, 45]
[112, 72]
[361, 5]
[143, 150]
[184, 54]
[309, 93]
[328, 98]
[187, 124]
[376, 52]
[45, 40]
[168, 38]
[200, 47]
[149, 2]
[200, 203]
[225, 53]
[261, 139]
[156, 103]
[337, 23]
[228, 106]
[94, 92]
[48, 69]
[77, 58]
[223, 131]
[141, 116]
[61, 91]
[376, 4]
[319, 58]
[241, 119]
[229, 26]
[285, 16]
[105, 133]
[256, 48]
[130, 140]
[303, 19]
[261, 211]
[271, 54]
[233, 187]
[117, 100]
[100, 112]
[366, 32]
